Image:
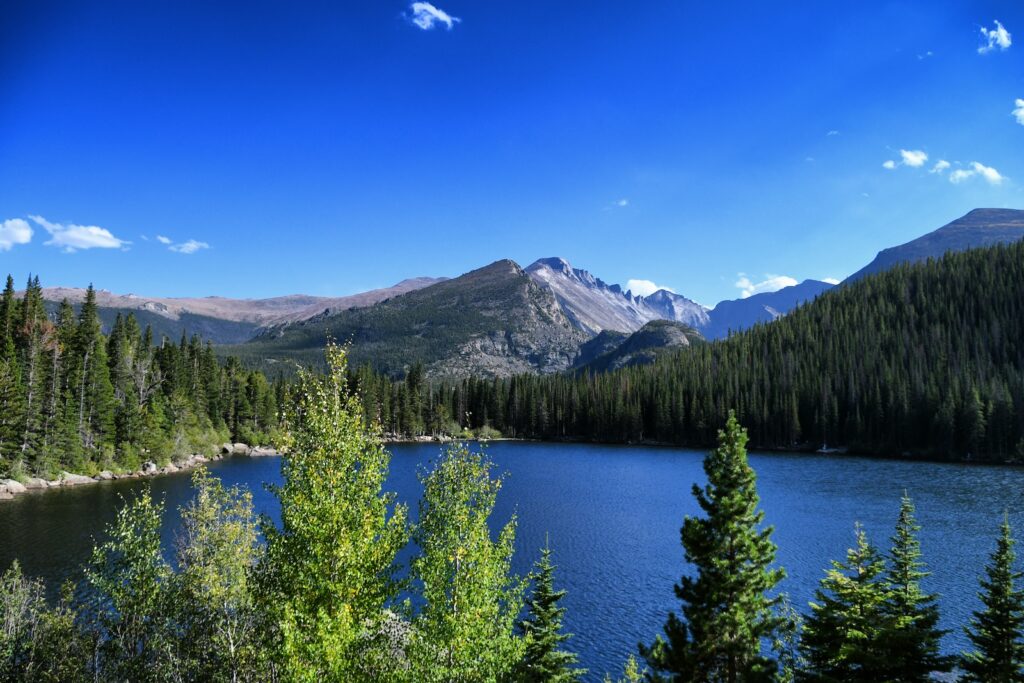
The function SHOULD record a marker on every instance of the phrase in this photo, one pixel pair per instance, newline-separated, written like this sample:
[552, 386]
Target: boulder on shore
[148, 467]
[239, 449]
[36, 483]
[262, 451]
[226, 449]
[13, 485]
[105, 475]
[5, 494]
[68, 479]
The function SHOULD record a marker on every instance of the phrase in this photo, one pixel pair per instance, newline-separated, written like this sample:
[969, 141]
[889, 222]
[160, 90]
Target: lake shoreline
[12, 488]
[838, 452]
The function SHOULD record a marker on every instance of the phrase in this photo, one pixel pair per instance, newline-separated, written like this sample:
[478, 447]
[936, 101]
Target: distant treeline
[72, 398]
[924, 359]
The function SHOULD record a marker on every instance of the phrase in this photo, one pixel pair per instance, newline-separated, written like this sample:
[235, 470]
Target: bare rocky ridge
[258, 311]
[590, 303]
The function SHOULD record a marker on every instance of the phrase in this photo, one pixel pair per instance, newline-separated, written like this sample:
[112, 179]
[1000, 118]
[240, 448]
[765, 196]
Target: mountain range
[502, 319]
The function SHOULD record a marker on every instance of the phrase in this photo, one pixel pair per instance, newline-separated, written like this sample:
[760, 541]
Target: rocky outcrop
[11, 487]
[69, 479]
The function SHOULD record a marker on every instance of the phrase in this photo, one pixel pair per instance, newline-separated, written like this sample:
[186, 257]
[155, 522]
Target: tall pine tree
[997, 631]
[844, 637]
[727, 611]
[915, 637]
[545, 661]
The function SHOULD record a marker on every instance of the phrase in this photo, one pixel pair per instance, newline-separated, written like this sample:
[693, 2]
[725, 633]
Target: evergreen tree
[727, 612]
[544, 660]
[844, 637]
[914, 638]
[997, 631]
[466, 628]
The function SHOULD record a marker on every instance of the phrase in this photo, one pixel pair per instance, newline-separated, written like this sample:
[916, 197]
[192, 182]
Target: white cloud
[163, 240]
[989, 174]
[940, 166]
[14, 231]
[926, 55]
[773, 283]
[913, 157]
[889, 164]
[622, 202]
[1018, 113]
[998, 37]
[831, 280]
[832, 133]
[189, 247]
[644, 287]
[70, 238]
[426, 16]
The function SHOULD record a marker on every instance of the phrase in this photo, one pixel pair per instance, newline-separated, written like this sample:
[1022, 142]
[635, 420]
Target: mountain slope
[493, 321]
[979, 228]
[645, 345]
[922, 360]
[671, 306]
[220, 319]
[590, 303]
[737, 315]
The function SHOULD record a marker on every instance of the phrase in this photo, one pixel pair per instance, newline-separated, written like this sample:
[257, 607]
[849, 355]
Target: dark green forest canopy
[924, 360]
[73, 398]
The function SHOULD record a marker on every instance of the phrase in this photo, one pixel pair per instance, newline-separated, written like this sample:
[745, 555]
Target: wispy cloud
[996, 38]
[427, 16]
[940, 166]
[1018, 112]
[832, 133]
[989, 174]
[644, 287]
[163, 240]
[831, 280]
[914, 158]
[772, 283]
[14, 231]
[189, 247]
[71, 237]
[925, 55]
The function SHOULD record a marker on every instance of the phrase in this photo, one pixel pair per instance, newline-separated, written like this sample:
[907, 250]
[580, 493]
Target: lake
[612, 514]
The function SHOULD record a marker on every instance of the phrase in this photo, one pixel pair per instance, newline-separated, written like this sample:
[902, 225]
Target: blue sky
[333, 147]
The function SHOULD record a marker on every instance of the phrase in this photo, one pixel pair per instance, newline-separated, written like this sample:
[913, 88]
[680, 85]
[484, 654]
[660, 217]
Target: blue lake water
[612, 514]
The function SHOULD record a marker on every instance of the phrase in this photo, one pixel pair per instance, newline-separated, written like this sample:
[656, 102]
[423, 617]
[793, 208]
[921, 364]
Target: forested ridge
[75, 399]
[924, 360]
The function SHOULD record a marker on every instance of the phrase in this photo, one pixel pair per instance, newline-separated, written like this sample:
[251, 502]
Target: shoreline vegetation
[76, 403]
[10, 488]
[322, 594]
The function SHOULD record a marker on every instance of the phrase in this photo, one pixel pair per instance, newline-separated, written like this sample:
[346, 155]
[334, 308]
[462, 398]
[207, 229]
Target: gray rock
[149, 467]
[68, 479]
[105, 475]
[169, 469]
[13, 485]
[36, 483]
[226, 448]
[263, 451]
[240, 449]
[5, 494]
